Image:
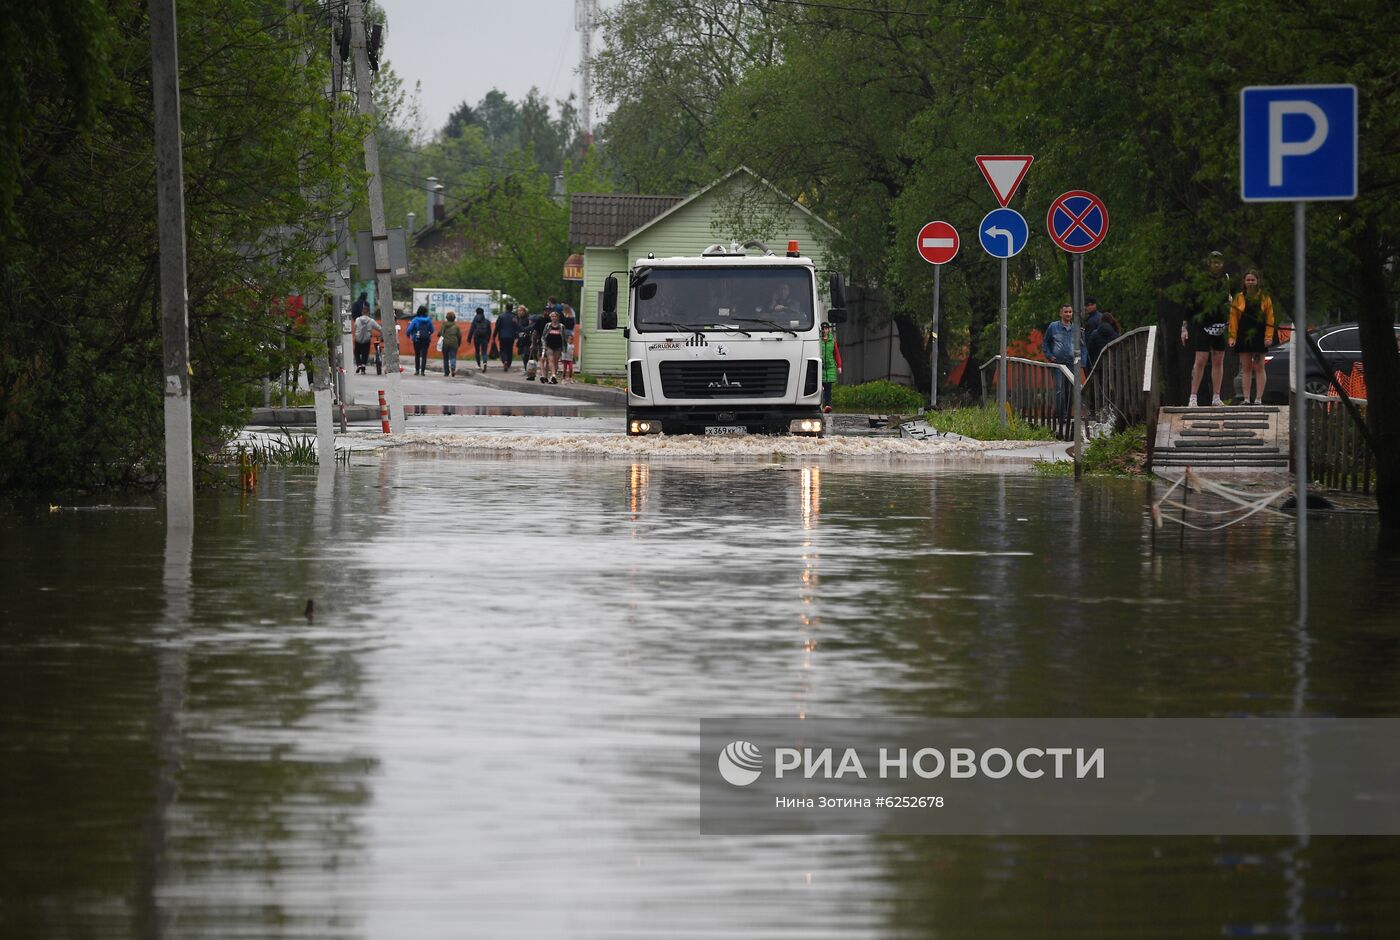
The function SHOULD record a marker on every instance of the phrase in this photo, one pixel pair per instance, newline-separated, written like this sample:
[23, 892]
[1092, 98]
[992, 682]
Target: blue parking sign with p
[1298, 143]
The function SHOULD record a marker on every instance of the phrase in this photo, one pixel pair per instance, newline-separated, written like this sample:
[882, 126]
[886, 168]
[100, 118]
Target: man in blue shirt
[1058, 347]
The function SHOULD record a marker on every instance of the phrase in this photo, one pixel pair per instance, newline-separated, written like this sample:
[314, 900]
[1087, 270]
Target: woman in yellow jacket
[1251, 334]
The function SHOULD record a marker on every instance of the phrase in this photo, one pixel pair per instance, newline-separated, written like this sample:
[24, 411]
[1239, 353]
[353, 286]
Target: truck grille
[753, 378]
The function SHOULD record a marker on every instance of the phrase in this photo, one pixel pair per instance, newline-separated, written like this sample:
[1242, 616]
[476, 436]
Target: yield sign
[937, 242]
[1077, 221]
[1004, 174]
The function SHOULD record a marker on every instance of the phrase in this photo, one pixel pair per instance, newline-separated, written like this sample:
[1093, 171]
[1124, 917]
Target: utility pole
[174, 297]
[383, 283]
[585, 12]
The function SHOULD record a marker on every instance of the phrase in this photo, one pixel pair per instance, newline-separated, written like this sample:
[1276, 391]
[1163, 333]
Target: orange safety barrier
[1354, 385]
[383, 413]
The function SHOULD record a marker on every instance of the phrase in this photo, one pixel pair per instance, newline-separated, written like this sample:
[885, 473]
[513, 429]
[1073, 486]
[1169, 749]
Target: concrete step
[1224, 410]
[1229, 444]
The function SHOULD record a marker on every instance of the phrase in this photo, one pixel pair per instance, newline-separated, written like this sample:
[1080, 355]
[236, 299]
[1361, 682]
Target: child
[566, 362]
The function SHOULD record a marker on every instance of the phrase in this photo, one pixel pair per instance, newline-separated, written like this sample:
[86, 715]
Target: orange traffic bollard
[383, 413]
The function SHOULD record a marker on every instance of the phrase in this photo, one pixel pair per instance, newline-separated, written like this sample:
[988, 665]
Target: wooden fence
[1338, 455]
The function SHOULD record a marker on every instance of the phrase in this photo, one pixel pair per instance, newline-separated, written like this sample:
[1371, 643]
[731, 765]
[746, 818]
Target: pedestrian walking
[1204, 331]
[451, 340]
[503, 333]
[420, 331]
[566, 360]
[480, 335]
[831, 364]
[1251, 334]
[362, 331]
[1058, 347]
[552, 337]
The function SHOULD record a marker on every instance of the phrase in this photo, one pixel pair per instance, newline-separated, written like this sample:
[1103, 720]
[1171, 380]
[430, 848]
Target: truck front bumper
[733, 419]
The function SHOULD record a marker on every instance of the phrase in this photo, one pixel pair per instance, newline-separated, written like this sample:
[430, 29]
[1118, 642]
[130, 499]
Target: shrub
[880, 397]
[1114, 455]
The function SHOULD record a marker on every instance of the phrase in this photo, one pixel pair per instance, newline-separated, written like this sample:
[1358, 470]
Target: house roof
[682, 203]
[601, 219]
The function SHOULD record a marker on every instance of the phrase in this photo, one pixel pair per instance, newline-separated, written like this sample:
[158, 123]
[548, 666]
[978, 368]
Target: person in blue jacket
[420, 330]
[1058, 346]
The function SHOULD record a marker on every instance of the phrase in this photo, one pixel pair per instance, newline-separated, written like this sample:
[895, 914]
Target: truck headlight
[642, 426]
[805, 426]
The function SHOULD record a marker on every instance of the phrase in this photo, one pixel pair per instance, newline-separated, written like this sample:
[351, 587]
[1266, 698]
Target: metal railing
[1117, 390]
[1339, 456]
[1030, 392]
[1116, 386]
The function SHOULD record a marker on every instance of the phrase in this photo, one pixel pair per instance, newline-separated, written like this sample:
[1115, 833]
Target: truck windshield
[754, 299]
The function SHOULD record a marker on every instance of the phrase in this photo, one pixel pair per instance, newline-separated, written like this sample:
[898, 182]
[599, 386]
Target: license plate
[718, 429]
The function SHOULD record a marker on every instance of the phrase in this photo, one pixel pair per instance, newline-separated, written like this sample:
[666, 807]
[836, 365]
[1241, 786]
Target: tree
[267, 163]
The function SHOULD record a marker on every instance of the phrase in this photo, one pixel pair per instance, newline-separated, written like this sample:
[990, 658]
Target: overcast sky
[461, 50]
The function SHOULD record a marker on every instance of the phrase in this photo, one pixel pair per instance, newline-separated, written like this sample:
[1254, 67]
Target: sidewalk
[515, 381]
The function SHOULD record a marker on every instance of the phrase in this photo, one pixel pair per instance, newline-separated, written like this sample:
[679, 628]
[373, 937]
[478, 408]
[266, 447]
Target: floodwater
[489, 726]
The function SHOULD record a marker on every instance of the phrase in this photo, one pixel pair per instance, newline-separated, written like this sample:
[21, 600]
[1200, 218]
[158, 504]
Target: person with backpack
[451, 339]
[362, 331]
[479, 334]
[503, 334]
[420, 331]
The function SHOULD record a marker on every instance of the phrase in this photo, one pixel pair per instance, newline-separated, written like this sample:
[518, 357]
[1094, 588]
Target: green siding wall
[687, 231]
[604, 351]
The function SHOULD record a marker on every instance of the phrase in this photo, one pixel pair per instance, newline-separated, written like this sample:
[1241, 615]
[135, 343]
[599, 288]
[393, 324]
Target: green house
[616, 230]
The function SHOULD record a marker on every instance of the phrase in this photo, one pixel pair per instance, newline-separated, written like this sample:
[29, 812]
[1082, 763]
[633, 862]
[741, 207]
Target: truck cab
[726, 342]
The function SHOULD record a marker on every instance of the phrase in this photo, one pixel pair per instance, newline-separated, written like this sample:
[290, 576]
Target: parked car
[1341, 348]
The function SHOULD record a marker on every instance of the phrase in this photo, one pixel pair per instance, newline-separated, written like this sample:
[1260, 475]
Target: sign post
[1078, 223]
[1298, 143]
[1008, 234]
[1003, 234]
[937, 244]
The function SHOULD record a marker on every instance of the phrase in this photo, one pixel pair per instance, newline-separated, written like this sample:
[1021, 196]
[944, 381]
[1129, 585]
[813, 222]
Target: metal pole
[1001, 362]
[174, 297]
[933, 342]
[1074, 367]
[1300, 410]
[383, 284]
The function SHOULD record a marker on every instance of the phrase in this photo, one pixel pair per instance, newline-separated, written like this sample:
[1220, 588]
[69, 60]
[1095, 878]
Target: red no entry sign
[937, 242]
[1077, 221]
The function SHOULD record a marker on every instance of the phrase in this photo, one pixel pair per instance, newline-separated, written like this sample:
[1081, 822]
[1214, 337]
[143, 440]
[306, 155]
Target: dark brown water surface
[490, 727]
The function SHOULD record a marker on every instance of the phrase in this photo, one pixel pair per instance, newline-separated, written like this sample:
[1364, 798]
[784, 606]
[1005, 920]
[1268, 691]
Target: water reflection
[490, 726]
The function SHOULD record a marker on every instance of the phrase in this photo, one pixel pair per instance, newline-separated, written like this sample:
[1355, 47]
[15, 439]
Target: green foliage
[267, 161]
[983, 423]
[875, 398]
[1115, 455]
[285, 450]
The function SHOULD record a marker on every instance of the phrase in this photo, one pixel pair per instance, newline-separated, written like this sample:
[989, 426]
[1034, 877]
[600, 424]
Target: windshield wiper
[689, 328]
[730, 329]
[773, 323]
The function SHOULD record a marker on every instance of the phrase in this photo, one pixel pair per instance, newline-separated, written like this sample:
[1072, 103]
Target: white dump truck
[727, 342]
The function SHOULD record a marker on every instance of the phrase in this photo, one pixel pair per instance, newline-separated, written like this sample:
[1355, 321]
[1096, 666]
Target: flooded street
[489, 724]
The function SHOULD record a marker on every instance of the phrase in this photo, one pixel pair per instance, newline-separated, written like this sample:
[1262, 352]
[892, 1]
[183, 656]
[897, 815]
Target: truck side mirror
[607, 317]
[838, 292]
[836, 313]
